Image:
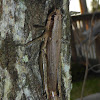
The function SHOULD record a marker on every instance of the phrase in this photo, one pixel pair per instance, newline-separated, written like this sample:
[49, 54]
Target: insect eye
[52, 18]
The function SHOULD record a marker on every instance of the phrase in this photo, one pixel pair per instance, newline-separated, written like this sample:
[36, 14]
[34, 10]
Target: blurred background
[85, 46]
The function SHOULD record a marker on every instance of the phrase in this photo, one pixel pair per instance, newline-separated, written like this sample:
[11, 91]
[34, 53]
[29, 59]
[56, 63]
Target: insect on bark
[50, 56]
[49, 59]
[53, 55]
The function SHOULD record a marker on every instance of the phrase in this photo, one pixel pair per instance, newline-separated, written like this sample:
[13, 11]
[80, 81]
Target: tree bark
[66, 51]
[20, 22]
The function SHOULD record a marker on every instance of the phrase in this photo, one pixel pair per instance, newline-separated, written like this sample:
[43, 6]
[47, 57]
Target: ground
[92, 86]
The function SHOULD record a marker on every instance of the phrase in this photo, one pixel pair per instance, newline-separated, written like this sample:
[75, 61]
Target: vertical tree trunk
[83, 6]
[20, 22]
[66, 51]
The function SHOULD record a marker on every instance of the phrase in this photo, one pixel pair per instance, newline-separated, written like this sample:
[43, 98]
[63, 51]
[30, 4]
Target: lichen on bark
[10, 30]
[0, 9]
[66, 50]
[19, 68]
[8, 56]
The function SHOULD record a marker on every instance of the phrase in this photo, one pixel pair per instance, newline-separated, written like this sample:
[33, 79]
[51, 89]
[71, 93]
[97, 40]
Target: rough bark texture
[66, 51]
[19, 68]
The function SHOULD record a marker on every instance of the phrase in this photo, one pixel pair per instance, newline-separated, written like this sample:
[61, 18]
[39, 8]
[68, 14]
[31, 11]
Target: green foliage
[95, 5]
[92, 86]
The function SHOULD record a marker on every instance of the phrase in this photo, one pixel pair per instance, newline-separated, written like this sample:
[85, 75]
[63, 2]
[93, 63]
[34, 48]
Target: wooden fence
[80, 25]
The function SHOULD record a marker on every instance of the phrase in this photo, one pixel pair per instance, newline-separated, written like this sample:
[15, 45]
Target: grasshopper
[49, 59]
[53, 56]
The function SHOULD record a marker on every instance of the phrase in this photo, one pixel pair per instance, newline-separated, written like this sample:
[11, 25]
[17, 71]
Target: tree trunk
[83, 6]
[20, 22]
[66, 51]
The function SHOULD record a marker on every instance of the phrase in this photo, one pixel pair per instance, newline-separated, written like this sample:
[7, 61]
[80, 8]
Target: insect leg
[44, 65]
[41, 69]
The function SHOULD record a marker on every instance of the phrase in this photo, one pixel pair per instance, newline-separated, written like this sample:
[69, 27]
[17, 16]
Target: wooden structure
[80, 24]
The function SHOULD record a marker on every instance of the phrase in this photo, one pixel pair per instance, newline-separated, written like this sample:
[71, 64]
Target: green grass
[92, 86]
